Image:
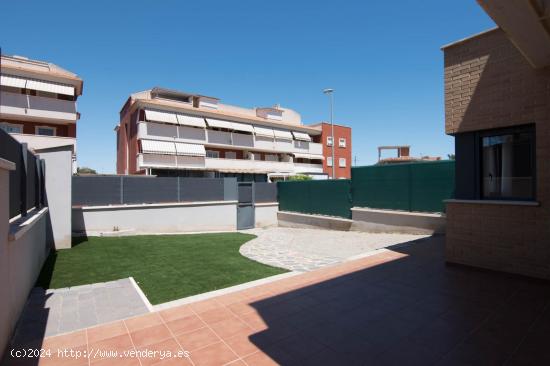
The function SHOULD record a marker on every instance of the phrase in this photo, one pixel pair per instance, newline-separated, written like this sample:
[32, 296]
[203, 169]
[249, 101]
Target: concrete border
[392, 221]
[141, 294]
[307, 221]
[223, 291]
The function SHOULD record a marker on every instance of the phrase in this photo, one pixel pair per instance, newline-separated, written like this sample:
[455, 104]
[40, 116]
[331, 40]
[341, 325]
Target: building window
[212, 154]
[230, 155]
[269, 157]
[11, 128]
[508, 165]
[45, 130]
[342, 142]
[342, 162]
[329, 161]
[329, 140]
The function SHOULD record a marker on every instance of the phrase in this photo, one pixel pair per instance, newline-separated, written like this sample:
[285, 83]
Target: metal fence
[421, 186]
[324, 197]
[265, 192]
[27, 180]
[410, 187]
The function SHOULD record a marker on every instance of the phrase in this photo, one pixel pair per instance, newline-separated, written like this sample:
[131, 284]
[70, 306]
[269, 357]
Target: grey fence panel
[32, 180]
[11, 150]
[265, 192]
[201, 189]
[96, 190]
[245, 192]
[149, 190]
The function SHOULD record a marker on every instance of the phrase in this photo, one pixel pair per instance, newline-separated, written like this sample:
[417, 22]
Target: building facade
[170, 133]
[342, 149]
[497, 107]
[38, 103]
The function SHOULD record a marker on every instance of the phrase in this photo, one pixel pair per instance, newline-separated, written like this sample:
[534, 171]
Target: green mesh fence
[411, 187]
[322, 197]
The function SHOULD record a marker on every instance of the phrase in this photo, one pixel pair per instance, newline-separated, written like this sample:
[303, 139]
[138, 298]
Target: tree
[451, 156]
[85, 170]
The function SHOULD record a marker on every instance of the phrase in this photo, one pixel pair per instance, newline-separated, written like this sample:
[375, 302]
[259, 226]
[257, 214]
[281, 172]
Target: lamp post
[329, 92]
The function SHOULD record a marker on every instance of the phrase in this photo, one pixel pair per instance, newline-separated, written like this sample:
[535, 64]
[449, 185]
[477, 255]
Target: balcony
[157, 131]
[33, 107]
[39, 142]
[170, 161]
[308, 168]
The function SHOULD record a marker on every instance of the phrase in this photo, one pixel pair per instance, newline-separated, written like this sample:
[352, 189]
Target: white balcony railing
[38, 142]
[157, 131]
[39, 107]
[308, 168]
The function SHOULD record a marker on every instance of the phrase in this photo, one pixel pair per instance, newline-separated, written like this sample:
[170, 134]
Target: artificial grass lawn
[166, 267]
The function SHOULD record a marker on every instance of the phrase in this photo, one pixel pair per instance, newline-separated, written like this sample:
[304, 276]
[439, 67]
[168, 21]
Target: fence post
[178, 183]
[23, 181]
[121, 190]
[43, 195]
[37, 184]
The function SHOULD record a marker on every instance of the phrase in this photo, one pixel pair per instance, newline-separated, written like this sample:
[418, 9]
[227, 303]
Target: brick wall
[339, 152]
[489, 84]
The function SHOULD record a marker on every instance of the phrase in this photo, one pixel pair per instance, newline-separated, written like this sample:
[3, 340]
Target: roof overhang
[527, 24]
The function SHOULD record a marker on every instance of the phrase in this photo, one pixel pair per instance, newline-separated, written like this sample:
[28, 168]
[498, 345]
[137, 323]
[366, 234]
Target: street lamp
[329, 92]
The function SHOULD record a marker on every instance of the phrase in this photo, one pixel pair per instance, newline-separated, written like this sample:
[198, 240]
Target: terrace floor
[402, 305]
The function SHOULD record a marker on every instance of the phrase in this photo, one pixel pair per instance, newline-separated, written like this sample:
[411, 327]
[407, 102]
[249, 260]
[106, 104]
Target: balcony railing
[308, 168]
[157, 131]
[38, 142]
[39, 107]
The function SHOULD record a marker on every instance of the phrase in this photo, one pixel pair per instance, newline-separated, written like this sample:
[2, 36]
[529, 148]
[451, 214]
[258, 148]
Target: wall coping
[152, 205]
[317, 216]
[266, 204]
[399, 212]
[495, 202]
[21, 225]
[6, 164]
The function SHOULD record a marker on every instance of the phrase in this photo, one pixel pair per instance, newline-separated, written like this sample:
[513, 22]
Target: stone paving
[304, 250]
[52, 312]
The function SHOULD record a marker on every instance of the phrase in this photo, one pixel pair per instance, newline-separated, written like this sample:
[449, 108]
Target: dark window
[508, 164]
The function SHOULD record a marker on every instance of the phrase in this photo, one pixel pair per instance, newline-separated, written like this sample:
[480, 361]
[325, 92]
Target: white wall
[266, 214]
[157, 218]
[23, 250]
[59, 196]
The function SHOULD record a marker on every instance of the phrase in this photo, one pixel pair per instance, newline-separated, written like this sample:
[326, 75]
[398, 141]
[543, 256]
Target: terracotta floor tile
[202, 306]
[231, 298]
[254, 321]
[151, 335]
[174, 362]
[176, 313]
[69, 340]
[186, 324]
[160, 351]
[109, 330]
[144, 321]
[119, 361]
[199, 338]
[216, 315]
[229, 327]
[104, 348]
[240, 343]
[59, 360]
[240, 308]
[236, 363]
[213, 355]
[259, 359]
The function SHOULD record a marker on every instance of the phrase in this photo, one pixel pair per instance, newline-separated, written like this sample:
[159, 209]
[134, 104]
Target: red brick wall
[68, 130]
[489, 84]
[339, 152]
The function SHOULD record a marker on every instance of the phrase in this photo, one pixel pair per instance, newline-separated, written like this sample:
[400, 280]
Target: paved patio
[402, 306]
[304, 250]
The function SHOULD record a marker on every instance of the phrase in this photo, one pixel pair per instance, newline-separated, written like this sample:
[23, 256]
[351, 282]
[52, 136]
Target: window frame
[330, 141]
[531, 129]
[234, 153]
[12, 125]
[342, 142]
[217, 153]
[54, 129]
[329, 161]
[340, 165]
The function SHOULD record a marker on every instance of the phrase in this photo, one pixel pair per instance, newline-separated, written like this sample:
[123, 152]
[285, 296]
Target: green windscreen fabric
[321, 197]
[421, 186]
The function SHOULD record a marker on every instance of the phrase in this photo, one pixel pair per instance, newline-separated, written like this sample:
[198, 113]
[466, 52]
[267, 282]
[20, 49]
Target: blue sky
[382, 58]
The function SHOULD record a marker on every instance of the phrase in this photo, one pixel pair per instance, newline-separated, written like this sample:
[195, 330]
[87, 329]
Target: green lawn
[166, 267]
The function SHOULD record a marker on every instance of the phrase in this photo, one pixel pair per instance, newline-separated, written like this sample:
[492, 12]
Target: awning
[49, 86]
[301, 136]
[283, 134]
[159, 116]
[158, 147]
[242, 127]
[218, 123]
[13, 81]
[263, 131]
[190, 149]
[308, 156]
[192, 121]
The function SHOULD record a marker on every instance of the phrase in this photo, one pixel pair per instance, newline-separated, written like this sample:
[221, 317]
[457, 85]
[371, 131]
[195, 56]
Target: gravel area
[308, 249]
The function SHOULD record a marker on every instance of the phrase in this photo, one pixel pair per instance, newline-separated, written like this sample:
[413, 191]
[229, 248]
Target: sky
[382, 58]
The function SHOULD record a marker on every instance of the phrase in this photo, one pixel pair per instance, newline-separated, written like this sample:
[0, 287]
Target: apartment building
[171, 133]
[38, 103]
[497, 107]
[342, 149]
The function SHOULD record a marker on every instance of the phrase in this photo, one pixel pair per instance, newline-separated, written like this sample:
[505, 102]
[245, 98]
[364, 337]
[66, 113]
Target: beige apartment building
[38, 103]
[171, 133]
